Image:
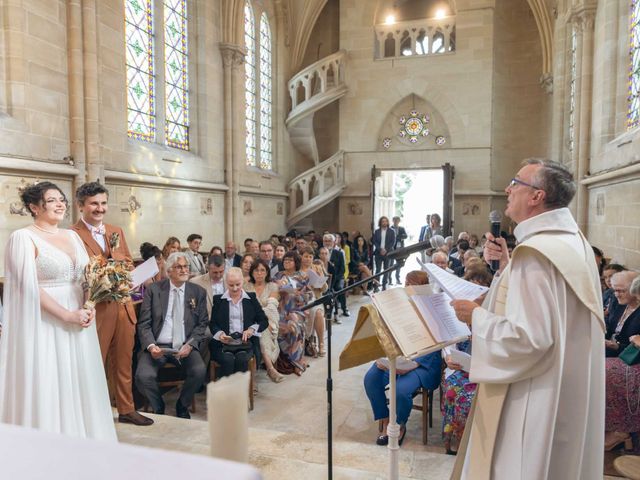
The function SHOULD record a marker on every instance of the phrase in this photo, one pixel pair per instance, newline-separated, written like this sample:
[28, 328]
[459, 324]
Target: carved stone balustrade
[429, 36]
[315, 188]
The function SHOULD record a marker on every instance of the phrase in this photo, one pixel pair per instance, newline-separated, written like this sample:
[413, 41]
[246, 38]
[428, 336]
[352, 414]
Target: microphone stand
[329, 300]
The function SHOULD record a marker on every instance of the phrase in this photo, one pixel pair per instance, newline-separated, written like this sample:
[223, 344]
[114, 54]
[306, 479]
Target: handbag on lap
[630, 355]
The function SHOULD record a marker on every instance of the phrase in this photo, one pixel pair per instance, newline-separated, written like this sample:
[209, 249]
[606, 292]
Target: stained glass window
[265, 94]
[139, 66]
[572, 90]
[176, 74]
[250, 83]
[633, 117]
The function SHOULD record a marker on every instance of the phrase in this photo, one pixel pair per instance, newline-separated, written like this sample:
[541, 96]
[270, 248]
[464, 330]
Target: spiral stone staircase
[311, 89]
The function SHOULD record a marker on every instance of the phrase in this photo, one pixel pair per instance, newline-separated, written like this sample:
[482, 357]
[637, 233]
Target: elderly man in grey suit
[172, 324]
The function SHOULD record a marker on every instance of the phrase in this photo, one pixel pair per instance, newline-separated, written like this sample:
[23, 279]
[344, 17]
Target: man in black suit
[337, 267]
[231, 258]
[401, 236]
[236, 317]
[384, 239]
[172, 324]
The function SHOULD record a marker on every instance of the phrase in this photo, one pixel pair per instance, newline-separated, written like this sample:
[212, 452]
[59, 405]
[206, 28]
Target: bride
[51, 373]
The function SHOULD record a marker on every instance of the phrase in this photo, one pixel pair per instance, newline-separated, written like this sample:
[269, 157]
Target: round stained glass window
[416, 125]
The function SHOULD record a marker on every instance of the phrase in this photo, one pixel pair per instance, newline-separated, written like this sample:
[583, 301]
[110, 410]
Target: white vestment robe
[550, 348]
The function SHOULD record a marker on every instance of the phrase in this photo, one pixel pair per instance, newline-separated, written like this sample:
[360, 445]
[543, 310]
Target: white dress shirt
[98, 234]
[166, 332]
[217, 288]
[383, 237]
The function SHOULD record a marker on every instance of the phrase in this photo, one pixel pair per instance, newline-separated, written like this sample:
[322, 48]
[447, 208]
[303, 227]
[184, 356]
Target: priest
[538, 350]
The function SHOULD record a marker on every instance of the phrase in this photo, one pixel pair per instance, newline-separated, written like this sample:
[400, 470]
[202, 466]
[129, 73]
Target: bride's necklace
[46, 231]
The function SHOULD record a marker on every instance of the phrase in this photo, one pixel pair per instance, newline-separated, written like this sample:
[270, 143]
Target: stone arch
[436, 101]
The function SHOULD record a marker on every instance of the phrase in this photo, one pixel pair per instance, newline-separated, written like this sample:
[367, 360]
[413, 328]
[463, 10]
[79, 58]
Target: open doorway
[413, 195]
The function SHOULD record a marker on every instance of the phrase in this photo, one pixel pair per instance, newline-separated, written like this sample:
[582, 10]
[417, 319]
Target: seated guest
[236, 317]
[457, 390]
[608, 298]
[466, 258]
[172, 323]
[622, 415]
[314, 316]
[623, 394]
[359, 254]
[172, 245]
[212, 281]
[625, 317]
[196, 262]
[215, 250]
[267, 294]
[425, 373]
[294, 294]
[231, 257]
[147, 250]
[245, 265]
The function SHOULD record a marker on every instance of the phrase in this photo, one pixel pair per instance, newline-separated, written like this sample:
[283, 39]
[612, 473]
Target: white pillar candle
[228, 415]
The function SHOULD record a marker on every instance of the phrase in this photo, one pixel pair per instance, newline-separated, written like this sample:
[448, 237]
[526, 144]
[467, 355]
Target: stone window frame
[258, 9]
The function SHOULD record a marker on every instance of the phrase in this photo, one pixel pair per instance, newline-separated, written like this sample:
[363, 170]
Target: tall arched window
[176, 74]
[250, 83]
[265, 94]
[258, 88]
[140, 74]
[633, 116]
[142, 99]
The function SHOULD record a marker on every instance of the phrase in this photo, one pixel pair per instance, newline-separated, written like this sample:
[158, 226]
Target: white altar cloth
[29, 454]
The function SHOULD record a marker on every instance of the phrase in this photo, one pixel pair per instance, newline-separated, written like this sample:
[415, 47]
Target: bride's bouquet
[107, 280]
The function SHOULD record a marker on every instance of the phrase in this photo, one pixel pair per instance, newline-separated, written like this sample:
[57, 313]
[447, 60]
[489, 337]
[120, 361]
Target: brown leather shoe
[135, 418]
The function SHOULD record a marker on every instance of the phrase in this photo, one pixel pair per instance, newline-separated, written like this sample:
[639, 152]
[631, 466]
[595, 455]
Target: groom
[116, 323]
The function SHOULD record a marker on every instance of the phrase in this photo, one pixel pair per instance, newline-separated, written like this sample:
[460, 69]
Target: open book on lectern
[418, 320]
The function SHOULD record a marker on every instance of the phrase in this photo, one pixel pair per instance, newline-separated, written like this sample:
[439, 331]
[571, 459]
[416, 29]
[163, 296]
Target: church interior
[241, 119]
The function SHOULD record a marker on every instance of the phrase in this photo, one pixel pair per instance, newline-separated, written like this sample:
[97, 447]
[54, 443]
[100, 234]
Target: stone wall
[63, 117]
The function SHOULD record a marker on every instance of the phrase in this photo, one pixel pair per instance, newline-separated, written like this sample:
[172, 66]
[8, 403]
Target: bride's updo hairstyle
[34, 195]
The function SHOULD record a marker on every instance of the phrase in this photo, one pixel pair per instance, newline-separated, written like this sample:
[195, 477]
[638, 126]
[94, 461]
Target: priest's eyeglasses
[516, 181]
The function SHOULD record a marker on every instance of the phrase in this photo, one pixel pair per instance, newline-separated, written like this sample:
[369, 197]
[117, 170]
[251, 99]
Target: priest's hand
[464, 309]
[184, 351]
[496, 249]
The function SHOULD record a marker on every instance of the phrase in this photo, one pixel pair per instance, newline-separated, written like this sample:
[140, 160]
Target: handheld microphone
[495, 218]
[404, 252]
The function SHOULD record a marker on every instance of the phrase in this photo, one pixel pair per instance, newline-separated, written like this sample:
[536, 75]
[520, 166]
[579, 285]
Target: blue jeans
[375, 382]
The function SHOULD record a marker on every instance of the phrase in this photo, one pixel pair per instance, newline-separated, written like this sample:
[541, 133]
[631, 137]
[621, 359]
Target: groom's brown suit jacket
[115, 322]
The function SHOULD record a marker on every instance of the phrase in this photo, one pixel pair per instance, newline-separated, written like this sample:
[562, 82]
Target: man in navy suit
[384, 240]
[171, 327]
[236, 317]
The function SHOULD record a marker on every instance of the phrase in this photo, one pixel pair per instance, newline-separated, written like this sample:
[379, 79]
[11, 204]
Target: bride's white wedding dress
[51, 372]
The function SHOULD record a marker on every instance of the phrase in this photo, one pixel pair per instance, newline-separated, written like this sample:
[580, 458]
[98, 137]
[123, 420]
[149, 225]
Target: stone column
[95, 168]
[584, 21]
[234, 132]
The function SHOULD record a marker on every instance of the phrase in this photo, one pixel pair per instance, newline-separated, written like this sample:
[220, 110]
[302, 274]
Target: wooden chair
[426, 407]
[213, 365]
[169, 376]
